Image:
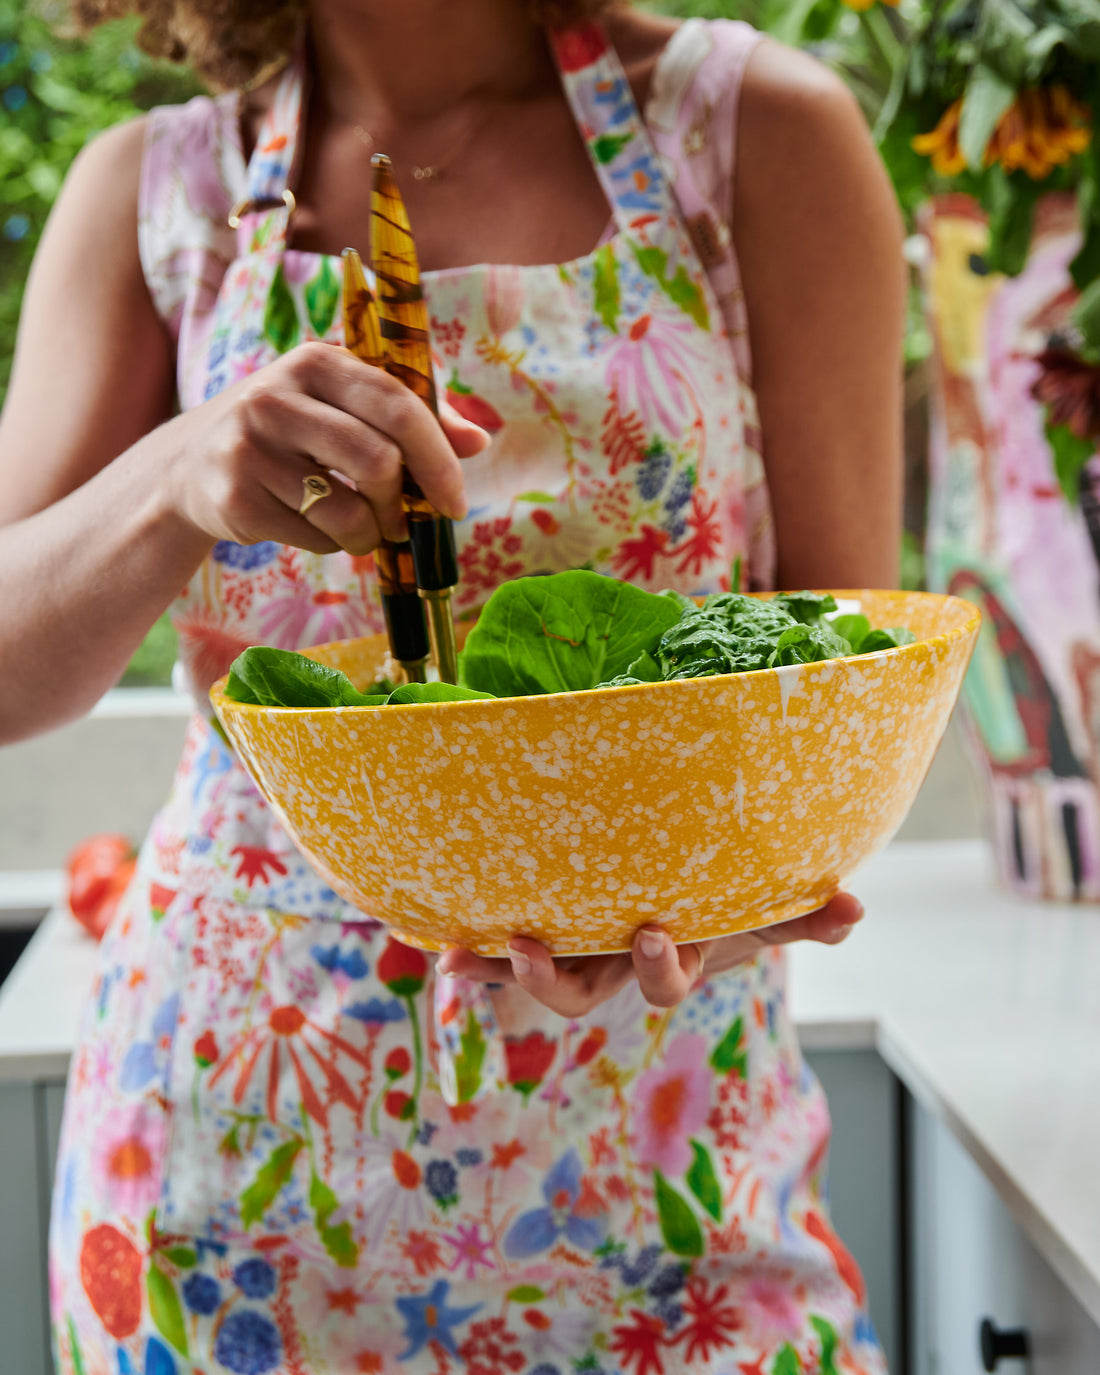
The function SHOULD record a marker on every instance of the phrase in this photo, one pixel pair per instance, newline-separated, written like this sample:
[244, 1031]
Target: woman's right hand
[238, 464]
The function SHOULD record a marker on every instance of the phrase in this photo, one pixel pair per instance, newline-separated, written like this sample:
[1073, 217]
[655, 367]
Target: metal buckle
[248, 207]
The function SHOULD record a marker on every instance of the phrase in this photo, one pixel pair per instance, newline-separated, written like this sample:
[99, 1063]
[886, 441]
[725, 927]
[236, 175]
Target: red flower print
[285, 1034]
[206, 1050]
[110, 1271]
[398, 1062]
[402, 968]
[423, 1250]
[711, 1320]
[623, 436]
[820, 1230]
[488, 557]
[578, 47]
[255, 862]
[208, 644]
[504, 1156]
[486, 1350]
[528, 1060]
[705, 540]
[641, 1343]
[591, 1046]
[160, 899]
[475, 409]
[399, 1104]
[447, 335]
[636, 558]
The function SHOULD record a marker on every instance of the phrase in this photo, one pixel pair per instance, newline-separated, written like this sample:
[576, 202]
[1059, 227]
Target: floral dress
[260, 1169]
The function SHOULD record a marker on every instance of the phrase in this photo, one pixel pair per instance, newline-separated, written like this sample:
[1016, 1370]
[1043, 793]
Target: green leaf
[74, 1347]
[562, 633]
[680, 290]
[537, 498]
[1011, 210]
[322, 293]
[432, 692]
[337, 1241]
[1069, 455]
[183, 1256]
[271, 1177]
[786, 1361]
[679, 1226]
[853, 628]
[703, 1182]
[606, 286]
[280, 678]
[987, 98]
[1086, 316]
[878, 640]
[469, 1059]
[727, 1055]
[165, 1309]
[526, 1293]
[281, 326]
[608, 146]
[807, 607]
[827, 1333]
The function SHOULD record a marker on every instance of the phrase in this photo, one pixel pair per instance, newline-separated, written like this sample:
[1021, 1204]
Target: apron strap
[613, 130]
[261, 220]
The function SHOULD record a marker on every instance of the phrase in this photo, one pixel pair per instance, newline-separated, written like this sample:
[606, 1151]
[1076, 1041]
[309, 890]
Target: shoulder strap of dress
[192, 172]
[692, 114]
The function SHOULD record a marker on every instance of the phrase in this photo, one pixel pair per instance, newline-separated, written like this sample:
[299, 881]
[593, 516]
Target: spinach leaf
[854, 629]
[807, 644]
[432, 692]
[878, 640]
[562, 633]
[807, 607]
[280, 678]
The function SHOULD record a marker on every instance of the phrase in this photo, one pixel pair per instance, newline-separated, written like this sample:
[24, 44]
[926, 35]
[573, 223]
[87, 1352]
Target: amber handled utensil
[404, 320]
[404, 611]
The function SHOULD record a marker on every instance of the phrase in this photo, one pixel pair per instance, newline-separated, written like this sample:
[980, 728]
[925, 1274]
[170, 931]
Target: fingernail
[651, 944]
[520, 963]
[444, 963]
[843, 932]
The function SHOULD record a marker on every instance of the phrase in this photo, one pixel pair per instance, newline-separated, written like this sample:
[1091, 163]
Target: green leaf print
[74, 1347]
[828, 1336]
[337, 1241]
[165, 1309]
[681, 290]
[608, 146]
[182, 1256]
[727, 1054]
[281, 326]
[322, 292]
[469, 1059]
[260, 1194]
[682, 1233]
[703, 1183]
[786, 1361]
[526, 1293]
[606, 284]
[537, 498]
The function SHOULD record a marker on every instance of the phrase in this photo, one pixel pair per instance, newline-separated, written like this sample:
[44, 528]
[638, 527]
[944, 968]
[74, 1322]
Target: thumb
[466, 438]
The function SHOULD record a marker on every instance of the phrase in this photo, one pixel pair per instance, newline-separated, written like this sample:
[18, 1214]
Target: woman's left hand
[572, 986]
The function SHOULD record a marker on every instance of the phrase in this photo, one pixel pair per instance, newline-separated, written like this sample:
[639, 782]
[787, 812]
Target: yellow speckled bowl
[711, 805]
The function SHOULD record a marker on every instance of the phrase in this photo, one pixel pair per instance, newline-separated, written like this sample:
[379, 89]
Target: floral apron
[259, 1168]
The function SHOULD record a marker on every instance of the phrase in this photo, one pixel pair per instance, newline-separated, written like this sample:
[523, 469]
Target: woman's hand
[666, 973]
[239, 460]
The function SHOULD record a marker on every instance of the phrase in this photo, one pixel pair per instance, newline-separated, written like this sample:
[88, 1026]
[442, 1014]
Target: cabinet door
[970, 1261]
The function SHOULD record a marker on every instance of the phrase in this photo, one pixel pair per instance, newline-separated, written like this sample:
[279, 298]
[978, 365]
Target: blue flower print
[248, 1343]
[146, 1059]
[158, 1359]
[245, 557]
[640, 183]
[202, 1294]
[331, 957]
[428, 1319]
[652, 472]
[468, 1155]
[441, 1179]
[255, 1278]
[376, 1010]
[538, 1229]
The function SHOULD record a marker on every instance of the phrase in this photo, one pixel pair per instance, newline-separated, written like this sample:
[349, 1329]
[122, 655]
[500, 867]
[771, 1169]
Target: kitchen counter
[987, 1008]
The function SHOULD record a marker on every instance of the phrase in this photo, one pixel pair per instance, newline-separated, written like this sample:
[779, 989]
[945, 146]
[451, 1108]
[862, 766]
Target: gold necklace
[430, 171]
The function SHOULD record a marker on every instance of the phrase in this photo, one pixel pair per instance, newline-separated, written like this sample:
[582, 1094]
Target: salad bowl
[705, 805]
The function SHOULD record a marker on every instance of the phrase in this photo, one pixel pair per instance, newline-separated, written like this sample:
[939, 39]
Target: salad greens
[569, 631]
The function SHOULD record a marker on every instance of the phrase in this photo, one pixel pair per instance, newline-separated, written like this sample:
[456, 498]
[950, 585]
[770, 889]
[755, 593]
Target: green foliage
[151, 666]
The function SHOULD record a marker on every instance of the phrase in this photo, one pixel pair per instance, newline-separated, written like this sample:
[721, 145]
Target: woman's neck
[409, 61]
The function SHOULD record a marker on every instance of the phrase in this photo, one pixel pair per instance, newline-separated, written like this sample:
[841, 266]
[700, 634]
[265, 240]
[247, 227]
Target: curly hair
[236, 43]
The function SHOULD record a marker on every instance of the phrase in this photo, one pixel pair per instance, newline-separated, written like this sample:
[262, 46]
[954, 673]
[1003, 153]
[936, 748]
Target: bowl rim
[970, 625]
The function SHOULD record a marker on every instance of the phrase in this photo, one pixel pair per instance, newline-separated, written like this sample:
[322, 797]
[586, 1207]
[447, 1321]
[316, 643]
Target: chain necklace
[429, 171]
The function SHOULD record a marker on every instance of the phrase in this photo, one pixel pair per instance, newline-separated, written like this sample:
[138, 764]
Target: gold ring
[316, 489]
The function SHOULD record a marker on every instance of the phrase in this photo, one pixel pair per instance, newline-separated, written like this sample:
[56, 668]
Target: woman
[258, 1171]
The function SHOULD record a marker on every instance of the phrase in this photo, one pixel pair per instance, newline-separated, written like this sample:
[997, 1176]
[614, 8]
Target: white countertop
[987, 1008]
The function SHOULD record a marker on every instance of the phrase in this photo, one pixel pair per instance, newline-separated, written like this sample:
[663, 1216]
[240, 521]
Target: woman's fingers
[829, 924]
[344, 518]
[570, 988]
[666, 972]
[466, 438]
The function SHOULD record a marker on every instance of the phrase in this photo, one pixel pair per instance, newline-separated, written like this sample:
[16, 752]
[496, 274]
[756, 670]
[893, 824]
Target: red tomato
[98, 872]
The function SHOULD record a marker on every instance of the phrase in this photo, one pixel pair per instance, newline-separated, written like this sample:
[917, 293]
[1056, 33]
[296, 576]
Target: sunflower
[1041, 130]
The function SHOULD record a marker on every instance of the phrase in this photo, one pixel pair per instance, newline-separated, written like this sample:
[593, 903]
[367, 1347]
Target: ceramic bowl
[709, 806]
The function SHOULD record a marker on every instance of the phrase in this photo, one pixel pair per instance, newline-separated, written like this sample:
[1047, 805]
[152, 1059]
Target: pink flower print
[671, 1101]
[209, 642]
[320, 1296]
[503, 298]
[556, 540]
[127, 1161]
[471, 1249]
[769, 1312]
[298, 616]
[648, 370]
[559, 1331]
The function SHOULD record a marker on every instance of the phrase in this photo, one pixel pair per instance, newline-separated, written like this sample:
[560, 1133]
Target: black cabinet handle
[1001, 1343]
